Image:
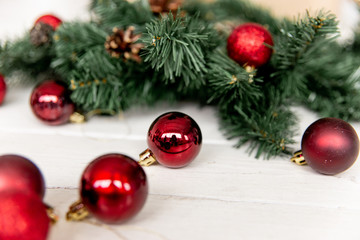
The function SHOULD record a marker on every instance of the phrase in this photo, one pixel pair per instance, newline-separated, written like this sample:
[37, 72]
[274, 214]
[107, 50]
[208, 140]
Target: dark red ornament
[22, 216]
[50, 20]
[330, 145]
[113, 188]
[174, 139]
[249, 44]
[19, 173]
[51, 103]
[2, 89]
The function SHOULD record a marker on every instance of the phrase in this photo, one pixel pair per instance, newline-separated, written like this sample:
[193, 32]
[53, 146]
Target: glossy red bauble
[51, 103]
[19, 173]
[330, 145]
[249, 44]
[174, 139]
[2, 89]
[50, 20]
[22, 216]
[113, 188]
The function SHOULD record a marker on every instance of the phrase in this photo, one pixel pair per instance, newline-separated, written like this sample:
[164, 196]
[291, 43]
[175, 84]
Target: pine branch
[234, 10]
[231, 83]
[268, 128]
[296, 46]
[122, 13]
[72, 40]
[333, 84]
[176, 47]
[22, 56]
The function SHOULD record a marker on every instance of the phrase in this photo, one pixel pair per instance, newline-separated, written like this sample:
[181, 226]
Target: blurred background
[15, 18]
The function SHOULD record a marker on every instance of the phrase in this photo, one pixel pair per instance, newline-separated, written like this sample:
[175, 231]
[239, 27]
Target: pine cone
[122, 43]
[41, 34]
[165, 6]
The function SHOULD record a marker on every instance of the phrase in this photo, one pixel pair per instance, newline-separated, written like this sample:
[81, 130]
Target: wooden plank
[172, 217]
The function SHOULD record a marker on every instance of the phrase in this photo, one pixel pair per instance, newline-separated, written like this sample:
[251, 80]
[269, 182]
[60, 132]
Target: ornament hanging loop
[147, 158]
[298, 158]
[77, 212]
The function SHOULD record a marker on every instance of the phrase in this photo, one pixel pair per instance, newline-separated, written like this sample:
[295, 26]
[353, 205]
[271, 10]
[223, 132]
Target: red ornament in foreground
[2, 89]
[249, 44]
[174, 140]
[330, 145]
[51, 103]
[113, 188]
[22, 216]
[50, 20]
[20, 174]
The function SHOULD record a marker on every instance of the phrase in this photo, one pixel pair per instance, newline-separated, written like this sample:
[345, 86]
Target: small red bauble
[2, 89]
[19, 173]
[330, 145]
[22, 216]
[50, 20]
[174, 139]
[248, 45]
[113, 188]
[50, 102]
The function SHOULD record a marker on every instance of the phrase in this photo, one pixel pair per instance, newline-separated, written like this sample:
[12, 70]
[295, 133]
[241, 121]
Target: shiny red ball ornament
[50, 20]
[248, 45]
[330, 145]
[113, 188]
[174, 139]
[50, 101]
[2, 89]
[22, 216]
[19, 173]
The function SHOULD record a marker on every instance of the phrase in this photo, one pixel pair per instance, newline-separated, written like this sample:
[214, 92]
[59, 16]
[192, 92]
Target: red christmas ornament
[22, 216]
[113, 188]
[330, 145]
[2, 89]
[50, 102]
[19, 173]
[248, 45]
[50, 20]
[174, 140]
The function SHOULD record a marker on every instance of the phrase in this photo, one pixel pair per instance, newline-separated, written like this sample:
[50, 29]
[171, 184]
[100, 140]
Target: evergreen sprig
[231, 83]
[121, 13]
[296, 46]
[176, 47]
[268, 130]
[22, 56]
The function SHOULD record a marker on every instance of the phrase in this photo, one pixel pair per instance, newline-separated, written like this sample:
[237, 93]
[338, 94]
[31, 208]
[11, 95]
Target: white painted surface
[223, 194]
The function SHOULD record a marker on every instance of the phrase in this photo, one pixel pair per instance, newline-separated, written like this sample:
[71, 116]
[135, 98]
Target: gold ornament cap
[77, 212]
[147, 158]
[298, 158]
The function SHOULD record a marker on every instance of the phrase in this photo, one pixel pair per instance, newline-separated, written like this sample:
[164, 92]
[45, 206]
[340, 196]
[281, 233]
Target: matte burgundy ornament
[2, 89]
[330, 145]
[22, 216]
[248, 45]
[113, 189]
[50, 20]
[51, 103]
[174, 140]
[19, 173]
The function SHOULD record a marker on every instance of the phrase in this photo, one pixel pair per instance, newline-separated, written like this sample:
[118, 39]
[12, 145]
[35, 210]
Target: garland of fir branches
[184, 57]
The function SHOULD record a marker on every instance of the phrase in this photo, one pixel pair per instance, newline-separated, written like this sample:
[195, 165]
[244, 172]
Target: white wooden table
[223, 194]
